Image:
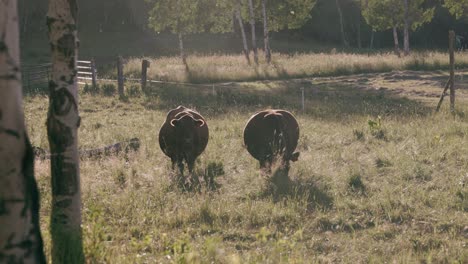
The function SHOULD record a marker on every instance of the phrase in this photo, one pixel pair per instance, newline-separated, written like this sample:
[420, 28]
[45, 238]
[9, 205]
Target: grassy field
[222, 68]
[381, 178]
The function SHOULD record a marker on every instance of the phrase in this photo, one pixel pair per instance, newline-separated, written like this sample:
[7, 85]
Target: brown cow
[271, 136]
[183, 137]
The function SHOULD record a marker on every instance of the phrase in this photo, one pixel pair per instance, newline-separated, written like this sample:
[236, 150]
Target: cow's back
[168, 138]
[292, 129]
[202, 133]
[259, 133]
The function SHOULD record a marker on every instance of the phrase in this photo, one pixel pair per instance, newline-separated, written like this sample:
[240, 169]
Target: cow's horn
[272, 114]
[174, 120]
[202, 122]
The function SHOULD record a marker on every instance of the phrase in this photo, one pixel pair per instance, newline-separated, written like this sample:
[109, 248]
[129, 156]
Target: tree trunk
[241, 26]
[234, 28]
[406, 30]
[371, 46]
[395, 41]
[359, 39]
[182, 51]
[120, 77]
[25, 23]
[62, 131]
[20, 236]
[254, 37]
[452, 70]
[340, 14]
[266, 37]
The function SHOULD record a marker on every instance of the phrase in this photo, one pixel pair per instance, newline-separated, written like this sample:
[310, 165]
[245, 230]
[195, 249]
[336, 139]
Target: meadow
[226, 68]
[381, 177]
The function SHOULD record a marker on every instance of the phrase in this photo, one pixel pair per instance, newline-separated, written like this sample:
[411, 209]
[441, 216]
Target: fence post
[303, 100]
[29, 83]
[145, 64]
[120, 78]
[451, 81]
[93, 74]
[452, 70]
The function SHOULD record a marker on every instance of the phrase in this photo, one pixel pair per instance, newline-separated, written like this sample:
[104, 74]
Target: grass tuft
[356, 184]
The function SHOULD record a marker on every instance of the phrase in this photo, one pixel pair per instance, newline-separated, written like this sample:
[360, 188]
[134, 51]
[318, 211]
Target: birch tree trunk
[254, 37]
[241, 25]
[395, 41]
[20, 236]
[340, 14]
[62, 130]
[406, 29]
[182, 51]
[359, 39]
[266, 37]
[371, 45]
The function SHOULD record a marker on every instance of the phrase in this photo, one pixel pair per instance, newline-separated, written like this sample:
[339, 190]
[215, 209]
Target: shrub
[356, 184]
[108, 89]
[90, 89]
[134, 91]
[376, 130]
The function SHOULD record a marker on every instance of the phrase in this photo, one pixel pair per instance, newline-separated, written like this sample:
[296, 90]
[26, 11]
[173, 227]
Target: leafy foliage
[290, 14]
[179, 16]
[458, 8]
[382, 15]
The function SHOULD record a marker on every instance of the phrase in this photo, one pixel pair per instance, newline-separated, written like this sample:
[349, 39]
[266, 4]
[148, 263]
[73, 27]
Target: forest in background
[118, 26]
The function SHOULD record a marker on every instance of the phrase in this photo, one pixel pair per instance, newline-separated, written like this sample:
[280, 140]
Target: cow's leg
[265, 165]
[180, 164]
[190, 165]
[193, 178]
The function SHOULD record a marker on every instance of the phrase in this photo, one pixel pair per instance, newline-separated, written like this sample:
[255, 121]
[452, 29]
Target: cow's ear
[174, 122]
[200, 122]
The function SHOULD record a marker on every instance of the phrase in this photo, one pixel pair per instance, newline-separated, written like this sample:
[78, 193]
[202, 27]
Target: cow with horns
[183, 137]
[272, 136]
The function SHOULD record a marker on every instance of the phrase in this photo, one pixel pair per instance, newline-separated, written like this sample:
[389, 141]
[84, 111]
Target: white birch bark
[406, 45]
[340, 14]
[20, 237]
[181, 48]
[254, 37]
[241, 25]
[63, 121]
[266, 37]
[395, 41]
[359, 40]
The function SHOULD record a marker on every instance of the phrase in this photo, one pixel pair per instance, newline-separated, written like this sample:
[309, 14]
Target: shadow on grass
[280, 186]
[332, 100]
[202, 179]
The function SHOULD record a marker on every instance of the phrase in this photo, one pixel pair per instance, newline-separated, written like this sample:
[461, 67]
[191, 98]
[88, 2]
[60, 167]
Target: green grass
[394, 190]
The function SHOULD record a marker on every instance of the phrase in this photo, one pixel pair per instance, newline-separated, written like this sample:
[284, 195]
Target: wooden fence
[87, 72]
[36, 77]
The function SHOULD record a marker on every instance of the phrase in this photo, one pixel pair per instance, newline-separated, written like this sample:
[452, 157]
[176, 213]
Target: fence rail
[37, 76]
[87, 72]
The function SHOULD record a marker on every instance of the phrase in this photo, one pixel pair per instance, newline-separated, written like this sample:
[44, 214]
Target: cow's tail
[279, 142]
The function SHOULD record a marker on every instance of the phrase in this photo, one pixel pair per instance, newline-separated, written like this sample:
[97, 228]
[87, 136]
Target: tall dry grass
[220, 68]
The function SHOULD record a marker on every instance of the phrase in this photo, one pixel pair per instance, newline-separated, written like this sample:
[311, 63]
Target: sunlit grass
[394, 192]
[219, 68]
